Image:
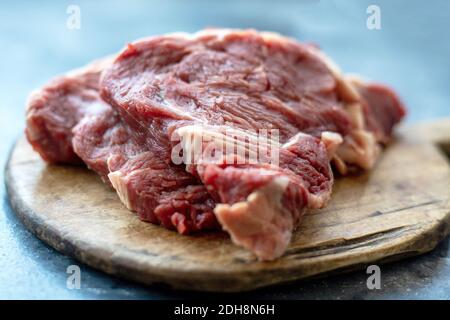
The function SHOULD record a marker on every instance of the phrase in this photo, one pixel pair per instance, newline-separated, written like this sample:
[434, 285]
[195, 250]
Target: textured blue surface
[411, 52]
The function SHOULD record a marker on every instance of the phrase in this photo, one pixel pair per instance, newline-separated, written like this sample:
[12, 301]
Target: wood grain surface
[401, 208]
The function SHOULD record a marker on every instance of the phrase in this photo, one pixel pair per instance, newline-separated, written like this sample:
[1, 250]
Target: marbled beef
[221, 80]
[162, 95]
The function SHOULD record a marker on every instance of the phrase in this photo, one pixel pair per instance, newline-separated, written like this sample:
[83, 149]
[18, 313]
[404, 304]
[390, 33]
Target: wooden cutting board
[399, 209]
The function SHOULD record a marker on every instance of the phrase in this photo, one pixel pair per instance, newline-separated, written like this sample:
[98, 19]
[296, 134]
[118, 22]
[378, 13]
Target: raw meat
[229, 126]
[67, 122]
[222, 80]
[55, 109]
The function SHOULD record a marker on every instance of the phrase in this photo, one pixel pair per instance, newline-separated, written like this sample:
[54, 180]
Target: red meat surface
[175, 124]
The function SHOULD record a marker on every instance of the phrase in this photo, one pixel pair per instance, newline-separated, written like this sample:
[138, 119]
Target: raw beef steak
[222, 126]
[55, 109]
[67, 122]
[192, 86]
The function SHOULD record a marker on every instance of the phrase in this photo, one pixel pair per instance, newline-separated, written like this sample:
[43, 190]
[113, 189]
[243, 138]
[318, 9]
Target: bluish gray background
[411, 52]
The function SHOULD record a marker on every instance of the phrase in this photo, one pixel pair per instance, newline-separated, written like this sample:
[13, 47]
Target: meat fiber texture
[235, 129]
[68, 122]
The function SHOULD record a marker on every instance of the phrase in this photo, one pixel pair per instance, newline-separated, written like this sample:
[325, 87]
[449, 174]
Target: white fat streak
[360, 146]
[273, 192]
[295, 139]
[332, 141]
[191, 137]
[276, 187]
[97, 108]
[264, 205]
[355, 111]
[117, 181]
